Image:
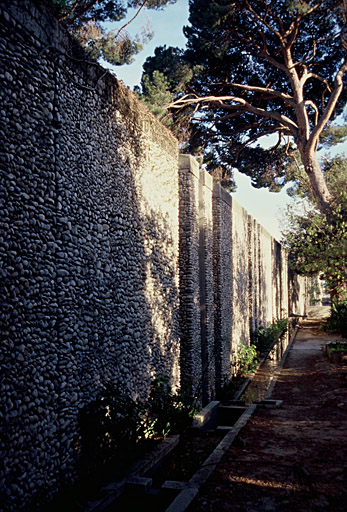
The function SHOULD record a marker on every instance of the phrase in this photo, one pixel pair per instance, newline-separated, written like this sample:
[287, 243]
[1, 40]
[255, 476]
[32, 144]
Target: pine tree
[266, 67]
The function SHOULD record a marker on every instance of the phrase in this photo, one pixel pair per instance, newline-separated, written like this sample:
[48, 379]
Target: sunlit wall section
[240, 275]
[254, 278]
[156, 182]
[297, 294]
[265, 270]
[277, 283]
[284, 284]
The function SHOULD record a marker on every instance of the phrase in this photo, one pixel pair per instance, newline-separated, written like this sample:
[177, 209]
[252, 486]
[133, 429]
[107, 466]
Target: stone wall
[119, 262]
[223, 292]
[249, 276]
[89, 248]
[240, 275]
[190, 321]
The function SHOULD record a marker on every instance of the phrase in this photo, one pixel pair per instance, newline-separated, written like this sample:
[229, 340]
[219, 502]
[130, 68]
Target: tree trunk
[318, 184]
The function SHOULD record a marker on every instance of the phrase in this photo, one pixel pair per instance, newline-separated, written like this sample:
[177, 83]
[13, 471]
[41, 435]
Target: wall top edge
[189, 163]
[265, 232]
[238, 207]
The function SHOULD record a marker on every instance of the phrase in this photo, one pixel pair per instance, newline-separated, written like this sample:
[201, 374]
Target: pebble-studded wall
[249, 278]
[118, 262]
[88, 246]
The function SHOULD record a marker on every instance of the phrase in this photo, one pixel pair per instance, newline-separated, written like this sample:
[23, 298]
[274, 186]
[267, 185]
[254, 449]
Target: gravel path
[292, 457]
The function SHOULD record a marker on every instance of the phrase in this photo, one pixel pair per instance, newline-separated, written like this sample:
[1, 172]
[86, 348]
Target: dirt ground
[292, 457]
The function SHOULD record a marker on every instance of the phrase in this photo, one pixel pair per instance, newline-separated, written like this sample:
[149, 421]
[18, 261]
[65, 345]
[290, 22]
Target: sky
[167, 24]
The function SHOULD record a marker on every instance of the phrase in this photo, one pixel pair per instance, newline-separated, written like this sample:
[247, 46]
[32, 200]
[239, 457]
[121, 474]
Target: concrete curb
[114, 489]
[186, 496]
[190, 489]
[280, 366]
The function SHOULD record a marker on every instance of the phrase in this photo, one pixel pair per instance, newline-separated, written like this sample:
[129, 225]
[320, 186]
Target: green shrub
[110, 422]
[339, 347]
[246, 361]
[337, 322]
[265, 336]
[171, 412]
[114, 423]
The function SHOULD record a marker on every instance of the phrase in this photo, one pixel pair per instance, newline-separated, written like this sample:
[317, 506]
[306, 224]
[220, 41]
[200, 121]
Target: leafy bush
[337, 322]
[317, 241]
[246, 361]
[114, 423]
[265, 336]
[110, 422]
[171, 412]
[339, 347]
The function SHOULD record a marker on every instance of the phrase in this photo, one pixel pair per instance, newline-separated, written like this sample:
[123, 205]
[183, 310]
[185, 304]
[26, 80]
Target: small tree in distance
[317, 242]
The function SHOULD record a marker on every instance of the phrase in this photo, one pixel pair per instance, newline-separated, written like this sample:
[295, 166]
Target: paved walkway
[292, 457]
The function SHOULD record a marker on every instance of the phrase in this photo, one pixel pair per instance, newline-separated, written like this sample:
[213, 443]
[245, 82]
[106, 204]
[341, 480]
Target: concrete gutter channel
[183, 493]
[245, 385]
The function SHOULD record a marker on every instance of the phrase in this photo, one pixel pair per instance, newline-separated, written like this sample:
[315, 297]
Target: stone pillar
[265, 277]
[253, 274]
[277, 279]
[190, 328]
[206, 285]
[196, 279]
[223, 283]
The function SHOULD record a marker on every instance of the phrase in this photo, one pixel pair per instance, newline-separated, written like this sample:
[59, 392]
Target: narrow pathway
[292, 457]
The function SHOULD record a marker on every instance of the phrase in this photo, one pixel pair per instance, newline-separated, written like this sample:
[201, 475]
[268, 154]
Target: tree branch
[294, 29]
[315, 108]
[84, 10]
[132, 19]
[338, 86]
[278, 94]
[63, 18]
[219, 101]
[264, 134]
[261, 21]
[258, 51]
[307, 76]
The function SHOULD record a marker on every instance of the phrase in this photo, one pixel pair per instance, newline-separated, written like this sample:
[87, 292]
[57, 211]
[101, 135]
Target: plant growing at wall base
[337, 322]
[246, 360]
[339, 347]
[113, 424]
[263, 337]
[172, 412]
